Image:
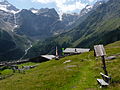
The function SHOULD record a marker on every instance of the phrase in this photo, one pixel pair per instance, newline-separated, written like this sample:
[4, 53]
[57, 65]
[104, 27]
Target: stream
[15, 22]
[26, 51]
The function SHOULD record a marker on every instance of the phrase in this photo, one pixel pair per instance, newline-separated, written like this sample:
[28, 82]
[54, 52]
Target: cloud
[43, 1]
[91, 0]
[64, 5]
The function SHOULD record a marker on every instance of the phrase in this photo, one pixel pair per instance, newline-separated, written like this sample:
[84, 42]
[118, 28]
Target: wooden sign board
[99, 50]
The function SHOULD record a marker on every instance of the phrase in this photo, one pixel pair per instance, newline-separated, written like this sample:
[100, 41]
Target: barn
[42, 58]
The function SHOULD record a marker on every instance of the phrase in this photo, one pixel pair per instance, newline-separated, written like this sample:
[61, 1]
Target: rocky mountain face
[100, 26]
[6, 6]
[43, 23]
[12, 46]
[97, 27]
[85, 10]
[36, 25]
[7, 16]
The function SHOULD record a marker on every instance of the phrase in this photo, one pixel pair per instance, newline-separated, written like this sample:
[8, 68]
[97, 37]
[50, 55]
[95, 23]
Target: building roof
[48, 56]
[76, 50]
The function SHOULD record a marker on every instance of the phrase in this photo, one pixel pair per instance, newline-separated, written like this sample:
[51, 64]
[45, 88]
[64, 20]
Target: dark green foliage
[42, 48]
[104, 38]
[12, 46]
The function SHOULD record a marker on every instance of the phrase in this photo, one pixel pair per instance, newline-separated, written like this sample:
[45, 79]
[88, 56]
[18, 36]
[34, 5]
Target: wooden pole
[56, 51]
[104, 65]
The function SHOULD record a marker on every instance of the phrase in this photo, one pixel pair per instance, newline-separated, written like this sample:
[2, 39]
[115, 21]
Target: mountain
[94, 25]
[36, 25]
[7, 15]
[12, 45]
[100, 26]
[16, 26]
[69, 18]
[85, 10]
[31, 22]
[101, 23]
[6, 6]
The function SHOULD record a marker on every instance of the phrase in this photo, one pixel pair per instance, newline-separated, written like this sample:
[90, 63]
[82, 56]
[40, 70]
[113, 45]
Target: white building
[75, 50]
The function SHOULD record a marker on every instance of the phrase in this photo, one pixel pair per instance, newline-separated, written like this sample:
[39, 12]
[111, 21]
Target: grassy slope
[79, 74]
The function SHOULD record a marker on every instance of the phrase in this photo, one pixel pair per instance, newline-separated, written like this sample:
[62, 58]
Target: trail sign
[99, 50]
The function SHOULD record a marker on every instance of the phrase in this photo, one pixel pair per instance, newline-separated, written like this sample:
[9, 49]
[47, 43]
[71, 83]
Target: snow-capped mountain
[98, 3]
[8, 15]
[33, 10]
[86, 10]
[30, 22]
[7, 7]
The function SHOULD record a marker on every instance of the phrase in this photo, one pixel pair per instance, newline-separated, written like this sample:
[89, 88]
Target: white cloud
[43, 1]
[91, 0]
[63, 5]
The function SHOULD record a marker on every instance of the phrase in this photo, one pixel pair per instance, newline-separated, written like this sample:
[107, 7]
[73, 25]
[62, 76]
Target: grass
[79, 74]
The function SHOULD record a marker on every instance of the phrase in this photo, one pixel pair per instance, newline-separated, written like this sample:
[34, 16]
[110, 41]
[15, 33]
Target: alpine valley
[30, 33]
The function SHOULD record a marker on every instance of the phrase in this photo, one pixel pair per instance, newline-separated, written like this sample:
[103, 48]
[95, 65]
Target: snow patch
[34, 11]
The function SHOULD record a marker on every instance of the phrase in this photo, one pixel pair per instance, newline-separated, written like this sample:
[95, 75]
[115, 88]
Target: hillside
[79, 74]
[100, 25]
[12, 46]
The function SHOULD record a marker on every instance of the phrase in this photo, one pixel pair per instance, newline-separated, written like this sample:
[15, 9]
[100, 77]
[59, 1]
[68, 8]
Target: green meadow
[78, 74]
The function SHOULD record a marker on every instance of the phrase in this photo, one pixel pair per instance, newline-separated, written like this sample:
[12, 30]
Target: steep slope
[6, 6]
[101, 26]
[16, 25]
[36, 26]
[34, 23]
[12, 46]
[7, 15]
[43, 23]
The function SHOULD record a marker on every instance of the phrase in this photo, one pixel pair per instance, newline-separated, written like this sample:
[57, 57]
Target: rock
[67, 61]
[110, 57]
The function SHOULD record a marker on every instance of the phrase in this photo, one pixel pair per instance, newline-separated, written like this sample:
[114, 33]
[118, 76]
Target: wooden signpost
[100, 51]
[57, 56]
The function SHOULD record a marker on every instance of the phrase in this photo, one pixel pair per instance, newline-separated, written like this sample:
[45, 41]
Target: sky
[60, 5]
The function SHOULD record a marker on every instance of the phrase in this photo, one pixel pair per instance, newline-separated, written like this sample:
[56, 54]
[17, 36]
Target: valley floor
[80, 73]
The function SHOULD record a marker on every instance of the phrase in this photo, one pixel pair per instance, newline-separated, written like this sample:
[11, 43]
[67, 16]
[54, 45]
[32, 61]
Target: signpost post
[100, 51]
[62, 51]
[57, 56]
[56, 51]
